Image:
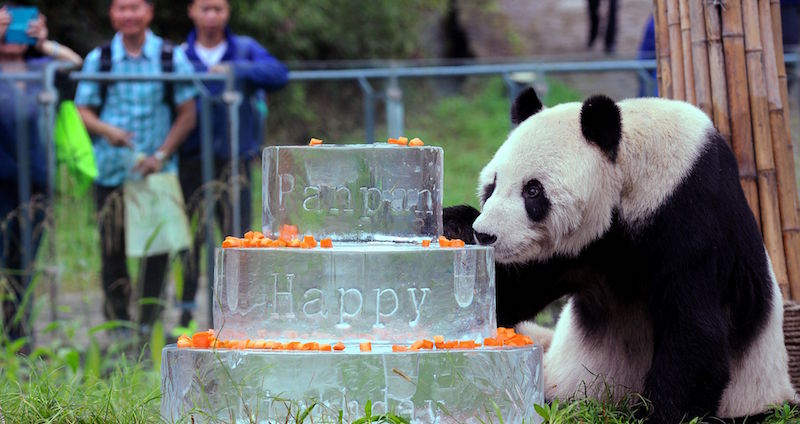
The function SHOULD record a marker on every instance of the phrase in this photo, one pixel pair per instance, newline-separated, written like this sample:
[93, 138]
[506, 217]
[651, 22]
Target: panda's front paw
[457, 222]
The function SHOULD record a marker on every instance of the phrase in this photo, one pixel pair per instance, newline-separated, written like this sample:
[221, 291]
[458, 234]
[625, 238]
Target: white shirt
[211, 56]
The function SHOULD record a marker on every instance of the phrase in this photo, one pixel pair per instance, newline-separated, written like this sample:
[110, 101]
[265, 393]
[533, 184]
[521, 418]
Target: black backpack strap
[105, 66]
[168, 66]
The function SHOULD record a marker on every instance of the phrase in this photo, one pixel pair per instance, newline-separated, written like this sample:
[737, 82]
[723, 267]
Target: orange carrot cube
[399, 348]
[415, 142]
[427, 344]
[310, 346]
[426, 243]
[314, 142]
[309, 242]
[184, 341]
[338, 346]
[417, 344]
[326, 242]
[325, 347]
[490, 341]
[201, 339]
[365, 347]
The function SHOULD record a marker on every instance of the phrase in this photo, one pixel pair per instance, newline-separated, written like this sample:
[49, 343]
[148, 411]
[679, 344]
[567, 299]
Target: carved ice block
[374, 192]
[355, 291]
[447, 386]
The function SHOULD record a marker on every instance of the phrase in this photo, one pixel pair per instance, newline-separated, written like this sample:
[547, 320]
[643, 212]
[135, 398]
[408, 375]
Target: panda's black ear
[526, 104]
[601, 124]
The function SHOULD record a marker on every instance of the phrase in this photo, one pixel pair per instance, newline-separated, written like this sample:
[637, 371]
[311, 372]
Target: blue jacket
[8, 131]
[256, 72]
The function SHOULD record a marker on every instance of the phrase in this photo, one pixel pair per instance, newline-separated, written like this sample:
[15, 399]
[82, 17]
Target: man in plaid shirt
[134, 135]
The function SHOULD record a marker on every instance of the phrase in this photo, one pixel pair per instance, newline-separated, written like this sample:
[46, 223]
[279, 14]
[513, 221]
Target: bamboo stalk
[782, 152]
[716, 68]
[777, 31]
[762, 144]
[738, 100]
[686, 42]
[675, 50]
[700, 58]
[664, 73]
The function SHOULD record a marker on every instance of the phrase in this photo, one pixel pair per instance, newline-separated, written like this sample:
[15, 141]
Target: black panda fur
[684, 292]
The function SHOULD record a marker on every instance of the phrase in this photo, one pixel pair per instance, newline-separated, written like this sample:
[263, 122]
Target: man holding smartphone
[133, 132]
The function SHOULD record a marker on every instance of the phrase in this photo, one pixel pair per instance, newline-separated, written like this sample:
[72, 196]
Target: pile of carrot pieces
[288, 237]
[207, 339]
[404, 141]
[400, 141]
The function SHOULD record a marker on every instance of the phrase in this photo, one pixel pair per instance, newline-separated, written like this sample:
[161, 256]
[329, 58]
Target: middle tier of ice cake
[375, 192]
[373, 292]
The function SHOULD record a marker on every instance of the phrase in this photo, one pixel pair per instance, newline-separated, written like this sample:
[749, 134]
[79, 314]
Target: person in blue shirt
[647, 50]
[19, 115]
[134, 134]
[213, 47]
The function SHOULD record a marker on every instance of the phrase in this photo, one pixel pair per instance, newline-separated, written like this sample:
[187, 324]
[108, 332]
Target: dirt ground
[556, 29]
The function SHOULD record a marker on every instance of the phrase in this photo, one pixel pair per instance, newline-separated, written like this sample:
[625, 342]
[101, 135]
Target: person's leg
[191, 179]
[611, 27]
[114, 274]
[594, 21]
[152, 276]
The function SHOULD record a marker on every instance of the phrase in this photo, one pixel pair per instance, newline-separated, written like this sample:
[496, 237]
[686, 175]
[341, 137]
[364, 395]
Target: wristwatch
[160, 155]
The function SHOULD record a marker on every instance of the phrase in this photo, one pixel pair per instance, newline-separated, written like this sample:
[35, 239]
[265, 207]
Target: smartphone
[21, 16]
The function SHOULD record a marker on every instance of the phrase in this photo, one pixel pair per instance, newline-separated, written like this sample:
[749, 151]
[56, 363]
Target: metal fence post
[233, 99]
[369, 110]
[394, 108]
[24, 182]
[207, 158]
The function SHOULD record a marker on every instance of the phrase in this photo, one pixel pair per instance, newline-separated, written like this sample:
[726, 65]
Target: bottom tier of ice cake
[425, 386]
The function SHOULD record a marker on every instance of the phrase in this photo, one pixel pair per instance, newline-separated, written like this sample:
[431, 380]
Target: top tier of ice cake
[358, 193]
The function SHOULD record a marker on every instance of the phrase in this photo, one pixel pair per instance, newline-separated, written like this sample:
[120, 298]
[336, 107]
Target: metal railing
[392, 96]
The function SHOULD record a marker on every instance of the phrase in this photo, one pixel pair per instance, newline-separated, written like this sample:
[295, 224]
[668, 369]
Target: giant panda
[634, 211]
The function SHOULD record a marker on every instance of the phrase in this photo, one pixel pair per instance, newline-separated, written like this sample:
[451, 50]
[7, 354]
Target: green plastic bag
[74, 147]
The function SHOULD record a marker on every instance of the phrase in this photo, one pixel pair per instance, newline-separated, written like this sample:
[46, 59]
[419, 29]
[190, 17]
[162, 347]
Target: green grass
[66, 382]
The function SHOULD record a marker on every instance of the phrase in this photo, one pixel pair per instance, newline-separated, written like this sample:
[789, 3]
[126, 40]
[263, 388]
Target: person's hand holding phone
[37, 28]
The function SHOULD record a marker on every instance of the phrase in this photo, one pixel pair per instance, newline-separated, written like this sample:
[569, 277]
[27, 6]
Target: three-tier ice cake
[380, 284]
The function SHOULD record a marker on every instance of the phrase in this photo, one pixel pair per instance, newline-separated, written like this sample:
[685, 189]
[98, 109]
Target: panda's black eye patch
[488, 190]
[537, 205]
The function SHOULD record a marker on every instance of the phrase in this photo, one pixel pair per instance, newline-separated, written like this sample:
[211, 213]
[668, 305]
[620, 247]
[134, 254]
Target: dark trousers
[191, 178]
[611, 24]
[115, 278]
[17, 298]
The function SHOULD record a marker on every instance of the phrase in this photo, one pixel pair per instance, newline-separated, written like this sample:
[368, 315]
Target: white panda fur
[623, 188]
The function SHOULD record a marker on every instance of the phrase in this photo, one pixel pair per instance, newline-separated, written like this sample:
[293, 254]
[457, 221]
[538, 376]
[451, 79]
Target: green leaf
[157, 344]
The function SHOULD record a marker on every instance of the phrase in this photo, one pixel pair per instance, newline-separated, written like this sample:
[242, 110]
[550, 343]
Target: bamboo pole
[716, 67]
[675, 50]
[664, 73]
[762, 143]
[686, 44]
[738, 100]
[775, 8]
[782, 152]
[700, 58]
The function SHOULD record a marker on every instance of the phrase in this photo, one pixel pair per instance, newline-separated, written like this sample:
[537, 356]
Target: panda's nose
[485, 239]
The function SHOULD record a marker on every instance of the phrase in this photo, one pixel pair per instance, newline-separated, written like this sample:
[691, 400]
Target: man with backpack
[213, 47]
[135, 133]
